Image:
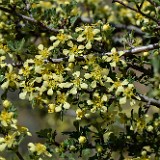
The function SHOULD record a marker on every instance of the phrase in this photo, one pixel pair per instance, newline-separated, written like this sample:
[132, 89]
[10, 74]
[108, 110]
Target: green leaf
[2, 78]
[16, 46]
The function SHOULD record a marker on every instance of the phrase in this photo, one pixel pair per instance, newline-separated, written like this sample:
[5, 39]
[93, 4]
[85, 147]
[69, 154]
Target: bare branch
[126, 53]
[153, 3]
[30, 19]
[27, 7]
[128, 27]
[140, 69]
[151, 101]
[136, 10]
[141, 49]
[19, 156]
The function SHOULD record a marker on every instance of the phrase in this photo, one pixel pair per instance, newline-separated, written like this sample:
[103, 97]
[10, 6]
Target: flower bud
[6, 103]
[145, 53]
[149, 128]
[82, 139]
[106, 27]
[99, 149]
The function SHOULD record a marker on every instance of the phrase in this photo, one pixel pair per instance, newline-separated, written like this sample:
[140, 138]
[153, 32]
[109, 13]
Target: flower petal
[66, 105]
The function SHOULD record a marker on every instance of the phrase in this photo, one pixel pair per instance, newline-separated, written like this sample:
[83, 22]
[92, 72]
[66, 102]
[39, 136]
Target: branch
[30, 19]
[126, 53]
[153, 3]
[141, 49]
[27, 7]
[136, 10]
[19, 156]
[140, 69]
[128, 27]
[151, 101]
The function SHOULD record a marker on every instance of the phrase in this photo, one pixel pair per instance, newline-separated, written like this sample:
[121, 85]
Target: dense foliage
[89, 60]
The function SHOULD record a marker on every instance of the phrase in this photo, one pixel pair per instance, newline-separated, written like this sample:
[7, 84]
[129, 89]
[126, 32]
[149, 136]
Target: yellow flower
[26, 70]
[114, 57]
[51, 81]
[73, 51]
[77, 83]
[61, 38]
[98, 75]
[8, 141]
[80, 114]
[7, 119]
[24, 131]
[38, 149]
[117, 85]
[11, 78]
[43, 52]
[61, 101]
[89, 33]
[98, 102]
[127, 94]
[27, 90]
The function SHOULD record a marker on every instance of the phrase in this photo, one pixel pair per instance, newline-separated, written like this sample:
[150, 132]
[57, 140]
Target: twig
[141, 49]
[128, 27]
[153, 3]
[19, 156]
[136, 10]
[27, 7]
[30, 19]
[81, 58]
[151, 101]
[126, 53]
[140, 69]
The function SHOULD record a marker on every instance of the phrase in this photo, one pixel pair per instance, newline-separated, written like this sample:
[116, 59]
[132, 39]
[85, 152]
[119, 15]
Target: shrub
[89, 61]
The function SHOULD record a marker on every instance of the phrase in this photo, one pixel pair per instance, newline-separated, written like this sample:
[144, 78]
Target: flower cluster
[11, 133]
[69, 57]
[38, 149]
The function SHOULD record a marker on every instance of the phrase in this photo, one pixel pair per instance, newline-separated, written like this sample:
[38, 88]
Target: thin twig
[151, 101]
[141, 49]
[140, 69]
[153, 3]
[128, 27]
[126, 53]
[19, 155]
[30, 19]
[136, 10]
[28, 7]
[81, 58]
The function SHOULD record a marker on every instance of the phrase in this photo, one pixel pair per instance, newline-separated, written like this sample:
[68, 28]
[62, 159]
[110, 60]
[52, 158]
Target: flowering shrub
[84, 60]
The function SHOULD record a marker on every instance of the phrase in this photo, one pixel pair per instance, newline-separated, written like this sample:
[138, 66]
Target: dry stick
[126, 53]
[19, 156]
[141, 49]
[30, 19]
[151, 101]
[27, 7]
[153, 3]
[138, 11]
[128, 27]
